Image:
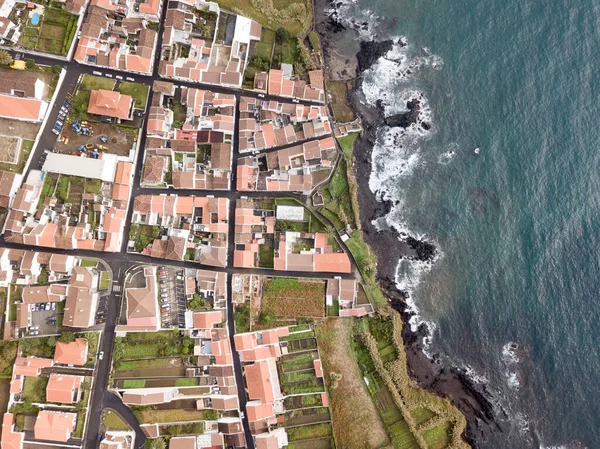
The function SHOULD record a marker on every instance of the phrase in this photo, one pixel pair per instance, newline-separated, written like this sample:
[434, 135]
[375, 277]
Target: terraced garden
[410, 417]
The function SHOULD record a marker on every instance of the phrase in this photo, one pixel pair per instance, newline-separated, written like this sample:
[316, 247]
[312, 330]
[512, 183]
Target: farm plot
[297, 373]
[293, 298]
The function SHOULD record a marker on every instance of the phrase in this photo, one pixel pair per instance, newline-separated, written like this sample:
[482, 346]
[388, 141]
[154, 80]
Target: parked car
[53, 306]
[48, 305]
[101, 355]
[162, 272]
[95, 72]
[42, 306]
[164, 309]
[55, 131]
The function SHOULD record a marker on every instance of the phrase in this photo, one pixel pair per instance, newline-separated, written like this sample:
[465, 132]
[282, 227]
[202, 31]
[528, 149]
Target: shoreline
[345, 60]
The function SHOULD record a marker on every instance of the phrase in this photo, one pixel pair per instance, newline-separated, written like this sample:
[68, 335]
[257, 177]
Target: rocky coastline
[346, 58]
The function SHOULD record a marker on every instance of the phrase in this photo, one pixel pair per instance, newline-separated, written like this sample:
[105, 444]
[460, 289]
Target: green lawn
[91, 82]
[104, 280]
[311, 431]
[113, 421]
[139, 92]
[26, 146]
[34, 389]
[347, 144]
[342, 111]
[134, 383]
[89, 263]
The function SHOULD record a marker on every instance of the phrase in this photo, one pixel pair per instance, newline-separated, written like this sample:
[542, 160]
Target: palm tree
[158, 443]
[5, 58]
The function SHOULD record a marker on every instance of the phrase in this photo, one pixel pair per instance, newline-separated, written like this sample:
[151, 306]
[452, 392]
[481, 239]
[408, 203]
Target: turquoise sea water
[519, 225]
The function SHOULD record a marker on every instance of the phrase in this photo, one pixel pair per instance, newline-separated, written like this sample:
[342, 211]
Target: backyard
[15, 157]
[139, 92]
[53, 34]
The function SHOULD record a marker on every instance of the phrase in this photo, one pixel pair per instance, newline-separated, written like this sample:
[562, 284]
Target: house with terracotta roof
[9, 184]
[209, 60]
[319, 258]
[22, 95]
[274, 439]
[183, 219]
[9, 438]
[286, 85]
[54, 426]
[118, 440]
[110, 103]
[82, 298]
[141, 312]
[107, 32]
[64, 388]
[199, 149]
[266, 124]
[298, 168]
[74, 353]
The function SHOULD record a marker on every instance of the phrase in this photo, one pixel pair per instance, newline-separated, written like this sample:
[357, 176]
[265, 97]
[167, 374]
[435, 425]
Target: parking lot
[44, 319]
[172, 297]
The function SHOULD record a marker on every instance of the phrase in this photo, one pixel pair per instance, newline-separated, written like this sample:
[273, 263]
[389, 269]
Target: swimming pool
[35, 18]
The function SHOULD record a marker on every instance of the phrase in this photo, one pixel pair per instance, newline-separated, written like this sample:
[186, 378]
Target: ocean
[513, 294]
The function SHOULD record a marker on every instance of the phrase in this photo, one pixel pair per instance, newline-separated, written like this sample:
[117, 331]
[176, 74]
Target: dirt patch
[9, 149]
[120, 139]
[19, 129]
[355, 419]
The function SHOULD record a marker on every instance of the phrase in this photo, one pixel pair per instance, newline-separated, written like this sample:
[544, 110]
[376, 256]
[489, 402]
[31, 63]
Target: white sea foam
[386, 80]
[363, 21]
[510, 355]
[474, 376]
[512, 380]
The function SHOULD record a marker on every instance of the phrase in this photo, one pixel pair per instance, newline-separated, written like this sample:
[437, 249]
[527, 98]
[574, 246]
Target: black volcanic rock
[425, 251]
[405, 119]
[370, 52]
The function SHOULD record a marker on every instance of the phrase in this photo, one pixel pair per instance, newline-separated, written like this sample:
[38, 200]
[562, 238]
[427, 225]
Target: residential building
[22, 95]
[74, 353]
[64, 388]
[54, 426]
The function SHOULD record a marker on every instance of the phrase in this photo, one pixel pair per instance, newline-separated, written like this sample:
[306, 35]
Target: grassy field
[90, 82]
[104, 280]
[347, 144]
[112, 421]
[166, 416]
[355, 419]
[287, 297]
[294, 15]
[34, 389]
[139, 92]
[8, 354]
[342, 111]
[26, 146]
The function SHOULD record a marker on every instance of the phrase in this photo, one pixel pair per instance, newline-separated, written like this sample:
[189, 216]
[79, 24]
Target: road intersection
[121, 261]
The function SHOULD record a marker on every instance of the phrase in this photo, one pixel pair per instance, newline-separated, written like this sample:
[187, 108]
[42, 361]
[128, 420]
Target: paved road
[119, 262]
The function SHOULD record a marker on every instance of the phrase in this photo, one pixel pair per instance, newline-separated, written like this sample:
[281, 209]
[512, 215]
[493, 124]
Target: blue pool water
[35, 18]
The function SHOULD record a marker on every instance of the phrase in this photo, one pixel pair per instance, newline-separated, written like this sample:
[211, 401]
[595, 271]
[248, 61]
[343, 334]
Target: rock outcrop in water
[370, 52]
[425, 250]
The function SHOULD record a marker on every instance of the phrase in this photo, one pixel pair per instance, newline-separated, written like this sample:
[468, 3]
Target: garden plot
[286, 300]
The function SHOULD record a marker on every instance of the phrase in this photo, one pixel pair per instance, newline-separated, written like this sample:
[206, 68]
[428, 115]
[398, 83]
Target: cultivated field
[355, 418]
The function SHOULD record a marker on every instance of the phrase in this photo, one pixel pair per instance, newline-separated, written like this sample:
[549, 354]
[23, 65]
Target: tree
[260, 63]
[30, 64]
[5, 58]
[157, 443]
[266, 317]
[51, 341]
[67, 337]
[197, 302]
[42, 279]
[281, 35]
[56, 69]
